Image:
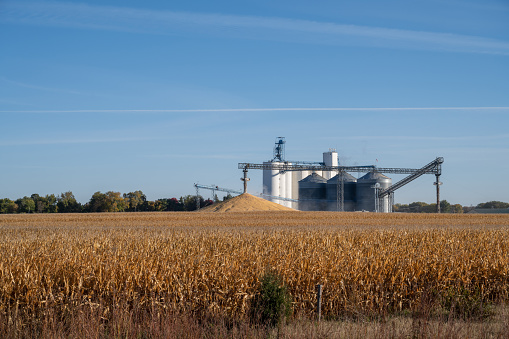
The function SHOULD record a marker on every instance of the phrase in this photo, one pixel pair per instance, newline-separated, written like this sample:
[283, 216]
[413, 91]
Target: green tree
[417, 207]
[445, 206]
[40, 203]
[67, 203]
[272, 303]
[98, 203]
[429, 208]
[134, 200]
[149, 206]
[189, 202]
[25, 205]
[457, 208]
[161, 205]
[174, 204]
[107, 202]
[8, 206]
[400, 208]
[493, 204]
[116, 201]
[51, 204]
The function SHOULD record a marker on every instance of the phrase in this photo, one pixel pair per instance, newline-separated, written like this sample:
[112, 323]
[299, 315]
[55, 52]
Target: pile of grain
[245, 202]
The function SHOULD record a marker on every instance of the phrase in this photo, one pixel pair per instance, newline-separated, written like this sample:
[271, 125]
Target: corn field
[210, 263]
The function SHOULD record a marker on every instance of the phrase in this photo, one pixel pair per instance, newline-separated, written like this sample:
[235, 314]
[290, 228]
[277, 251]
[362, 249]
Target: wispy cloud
[75, 141]
[14, 102]
[272, 109]
[192, 156]
[40, 88]
[250, 27]
[421, 138]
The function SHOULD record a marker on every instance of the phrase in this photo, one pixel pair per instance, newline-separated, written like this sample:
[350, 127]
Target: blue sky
[158, 95]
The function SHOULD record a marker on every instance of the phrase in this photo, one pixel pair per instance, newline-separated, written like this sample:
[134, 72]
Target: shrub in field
[272, 303]
[465, 303]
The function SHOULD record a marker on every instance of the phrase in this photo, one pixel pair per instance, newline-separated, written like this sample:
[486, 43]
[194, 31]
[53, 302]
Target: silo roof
[373, 176]
[346, 177]
[313, 177]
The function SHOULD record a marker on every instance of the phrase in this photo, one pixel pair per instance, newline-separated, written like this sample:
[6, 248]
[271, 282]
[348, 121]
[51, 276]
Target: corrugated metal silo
[366, 196]
[282, 186]
[271, 182]
[350, 191]
[312, 193]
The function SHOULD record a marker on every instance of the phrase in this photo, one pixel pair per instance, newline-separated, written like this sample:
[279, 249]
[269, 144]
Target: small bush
[465, 303]
[272, 303]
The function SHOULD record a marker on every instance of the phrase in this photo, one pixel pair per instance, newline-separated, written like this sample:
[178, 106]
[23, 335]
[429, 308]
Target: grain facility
[328, 186]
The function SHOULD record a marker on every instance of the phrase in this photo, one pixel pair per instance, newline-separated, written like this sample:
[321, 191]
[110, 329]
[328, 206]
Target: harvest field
[209, 264]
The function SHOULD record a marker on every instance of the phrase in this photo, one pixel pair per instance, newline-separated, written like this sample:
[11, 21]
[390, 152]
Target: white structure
[330, 158]
[270, 182]
[278, 184]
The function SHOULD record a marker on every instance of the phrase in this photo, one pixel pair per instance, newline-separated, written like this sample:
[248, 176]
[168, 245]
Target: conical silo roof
[346, 177]
[314, 178]
[374, 176]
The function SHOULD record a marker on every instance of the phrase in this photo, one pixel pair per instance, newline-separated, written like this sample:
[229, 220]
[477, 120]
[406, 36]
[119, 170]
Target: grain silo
[368, 187]
[312, 193]
[270, 182]
[287, 192]
[349, 189]
[277, 183]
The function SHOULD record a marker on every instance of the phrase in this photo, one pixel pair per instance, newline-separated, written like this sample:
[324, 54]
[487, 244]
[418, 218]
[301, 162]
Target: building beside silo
[330, 158]
[368, 187]
[313, 193]
[349, 192]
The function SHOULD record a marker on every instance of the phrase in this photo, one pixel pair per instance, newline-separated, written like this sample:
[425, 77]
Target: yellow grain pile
[244, 203]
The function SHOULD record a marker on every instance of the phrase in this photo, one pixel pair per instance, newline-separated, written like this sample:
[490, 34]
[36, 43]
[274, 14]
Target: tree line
[102, 202]
[445, 207]
[137, 202]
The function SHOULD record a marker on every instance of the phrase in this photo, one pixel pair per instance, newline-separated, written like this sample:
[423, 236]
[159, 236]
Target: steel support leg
[437, 183]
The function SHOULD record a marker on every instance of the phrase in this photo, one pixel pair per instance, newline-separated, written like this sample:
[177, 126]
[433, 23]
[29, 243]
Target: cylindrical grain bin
[349, 195]
[288, 187]
[312, 193]
[270, 182]
[366, 196]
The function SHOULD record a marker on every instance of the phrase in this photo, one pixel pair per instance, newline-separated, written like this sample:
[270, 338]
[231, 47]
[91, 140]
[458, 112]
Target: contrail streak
[274, 109]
